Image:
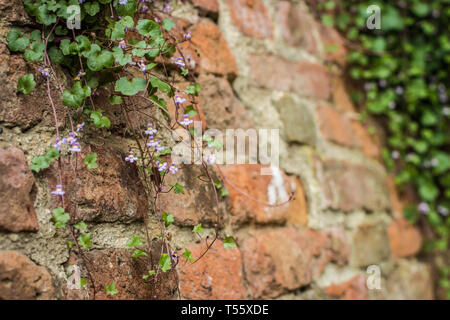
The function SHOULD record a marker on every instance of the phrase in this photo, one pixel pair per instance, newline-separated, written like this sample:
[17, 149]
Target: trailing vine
[126, 48]
[402, 70]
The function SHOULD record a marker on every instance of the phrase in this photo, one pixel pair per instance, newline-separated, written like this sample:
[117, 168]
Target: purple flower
[158, 147]
[161, 166]
[434, 162]
[392, 105]
[399, 90]
[131, 157]
[423, 208]
[211, 158]
[71, 139]
[44, 71]
[142, 66]
[123, 2]
[442, 210]
[75, 147]
[186, 121]
[187, 36]
[157, 20]
[122, 44]
[80, 127]
[167, 7]
[173, 169]
[150, 130]
[180, 62]
[382, 83]
[152, 142]
[81, 1]
[58, 191]
[395, 154]
[446, 111]
[179, 99]
[58, 143]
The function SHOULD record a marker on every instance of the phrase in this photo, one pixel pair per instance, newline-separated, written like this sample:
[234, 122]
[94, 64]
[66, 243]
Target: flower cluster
[186, 121]
[71, 140]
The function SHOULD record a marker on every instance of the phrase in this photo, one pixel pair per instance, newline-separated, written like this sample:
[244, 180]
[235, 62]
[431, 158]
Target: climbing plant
[402, 70]
[126, 47]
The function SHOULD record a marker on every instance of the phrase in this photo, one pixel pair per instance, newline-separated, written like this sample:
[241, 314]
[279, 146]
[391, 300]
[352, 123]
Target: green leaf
[92, 8]
[198, 228]
[43, 162]
[428, 191]
[83, 282]
[17, 41]
[84, 240]
[148, 28]
[111, 289]
[114, 100]
[36, 51]
[168, 24]
[26, 83]
[229, 243]
[188, 255]
[75, 97]
[81, 226]
[91, 160]
[128, 88]
[167, 218]
[138, 253]
[120, 57]
[165, 263]
[134, 242]
[100, 121]
[177, 188]
[97, 59]
[60, 217]
[193, 89]
[157, 83]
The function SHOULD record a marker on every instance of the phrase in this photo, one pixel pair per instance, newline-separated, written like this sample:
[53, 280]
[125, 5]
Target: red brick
[17, 190]
[110, 193]
[22, 279]
[208, 50]
[284, 259]
[335, 126]
[333, 45]
[217, 275]
[117, 265]
[347, 186]
[304, 78]
[297, 26]
[251, 17]
[209, 6]
[247, 178]
[353, 289]
[405, 239]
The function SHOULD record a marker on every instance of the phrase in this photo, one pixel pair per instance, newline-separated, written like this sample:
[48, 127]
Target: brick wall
[261, 64]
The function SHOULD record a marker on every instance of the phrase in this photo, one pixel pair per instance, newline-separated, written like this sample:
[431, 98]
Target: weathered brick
[353, 289]
[117, 265]
[333, 45]
[297, 26]
[220, 106]
[370, 245]
[217, 275]
[13, 11]
[405, 239]
[198, 203]
[112, 192]
[251, 16]
[208, 50]
[260, 192]
[347, 186]
[22, 279]
[335, 126]
[17, 190]
[283, 259]
[207, 6]
[277, 73]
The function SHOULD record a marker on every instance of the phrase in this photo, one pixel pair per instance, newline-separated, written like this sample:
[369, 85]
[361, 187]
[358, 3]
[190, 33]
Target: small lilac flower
[211, 158]
[131, 157]
[71, 139]
[446, 111]
[174, 256]
[442, 210]
[144, 8]
[399, 91]
[179, 99]
[158, 147]
[152, 142]
[157, 20]
[58, 191]
[180, 62]
[44, 71]
[150, 130]
[368, 86]
[122, 44]
[167, 7]
[173, 169]
[382, 83]
[142, 66]
[423, 208]
[395, 154]
[186, 121]
[161, 166]
[75, 147]
[123, 2]
[392, 105]
[187, 36]
[81, 1]
[434, 162]
[80, 127]
[58, 143]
